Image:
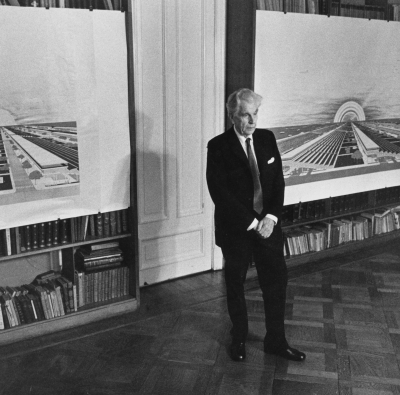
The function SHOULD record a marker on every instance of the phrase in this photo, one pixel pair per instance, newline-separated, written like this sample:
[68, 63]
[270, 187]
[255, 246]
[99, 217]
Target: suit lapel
[236, 147]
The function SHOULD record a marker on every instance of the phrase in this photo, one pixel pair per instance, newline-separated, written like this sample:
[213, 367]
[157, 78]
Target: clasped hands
[265, 227]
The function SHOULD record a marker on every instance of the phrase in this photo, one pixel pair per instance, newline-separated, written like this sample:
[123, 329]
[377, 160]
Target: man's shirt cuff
[255, 221]
[253, 224]
[273, 218]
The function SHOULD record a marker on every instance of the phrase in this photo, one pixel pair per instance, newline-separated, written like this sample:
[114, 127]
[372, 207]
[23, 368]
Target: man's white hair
[243, 94]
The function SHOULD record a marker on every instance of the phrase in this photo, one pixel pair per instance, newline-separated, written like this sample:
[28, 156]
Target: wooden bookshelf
[106, 5]
[81, 317]
[333, 254]
[385, 200]
[115, 293]
[369, 9]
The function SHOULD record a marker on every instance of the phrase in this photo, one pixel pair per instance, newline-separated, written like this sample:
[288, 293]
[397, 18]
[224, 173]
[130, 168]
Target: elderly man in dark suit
[245, 181]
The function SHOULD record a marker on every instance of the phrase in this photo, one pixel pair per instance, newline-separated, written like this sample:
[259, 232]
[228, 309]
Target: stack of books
[100, 274]
[50, 295]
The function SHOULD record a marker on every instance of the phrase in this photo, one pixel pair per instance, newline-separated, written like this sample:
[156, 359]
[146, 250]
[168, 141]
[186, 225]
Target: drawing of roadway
[320, 153]
[65, 153]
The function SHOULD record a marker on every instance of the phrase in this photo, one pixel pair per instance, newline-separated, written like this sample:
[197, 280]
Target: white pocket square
[271, 160]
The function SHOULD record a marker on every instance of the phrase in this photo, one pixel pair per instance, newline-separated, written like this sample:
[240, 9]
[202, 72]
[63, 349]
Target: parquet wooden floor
[345, 317]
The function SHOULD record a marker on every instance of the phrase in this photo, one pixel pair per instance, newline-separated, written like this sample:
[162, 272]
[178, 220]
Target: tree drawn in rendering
[35, 175]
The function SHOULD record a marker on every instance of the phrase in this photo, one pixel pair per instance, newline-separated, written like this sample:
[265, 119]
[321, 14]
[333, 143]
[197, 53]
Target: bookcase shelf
[62, 246]
[81, 317]
[329, 223]
[368, 9]
[343, 249]
[97, 289]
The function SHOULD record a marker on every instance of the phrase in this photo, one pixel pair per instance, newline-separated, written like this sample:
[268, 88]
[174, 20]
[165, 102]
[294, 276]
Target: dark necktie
[258, 197]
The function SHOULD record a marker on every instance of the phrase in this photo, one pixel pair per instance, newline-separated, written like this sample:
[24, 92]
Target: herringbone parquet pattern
[346, 318]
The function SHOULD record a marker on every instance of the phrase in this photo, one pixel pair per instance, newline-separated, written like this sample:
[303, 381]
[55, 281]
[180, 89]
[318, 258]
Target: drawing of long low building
[380, 146]
[391, 129]
[368, 148]
[47, 162]
[319, 154]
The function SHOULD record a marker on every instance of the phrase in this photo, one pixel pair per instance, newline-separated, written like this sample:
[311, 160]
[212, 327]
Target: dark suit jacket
[231, 186]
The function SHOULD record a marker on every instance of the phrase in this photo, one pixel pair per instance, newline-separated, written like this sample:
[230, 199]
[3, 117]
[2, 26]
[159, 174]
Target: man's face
[245, 120]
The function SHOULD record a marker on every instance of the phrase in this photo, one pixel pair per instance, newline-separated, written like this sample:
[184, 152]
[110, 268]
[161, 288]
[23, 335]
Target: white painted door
[179, 69]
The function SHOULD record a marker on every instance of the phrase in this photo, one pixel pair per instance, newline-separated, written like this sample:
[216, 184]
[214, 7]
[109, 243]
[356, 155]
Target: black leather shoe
[238, 351]
[286, 352]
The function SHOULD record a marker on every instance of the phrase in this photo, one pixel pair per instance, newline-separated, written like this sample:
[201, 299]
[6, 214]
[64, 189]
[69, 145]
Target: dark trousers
[272, 277]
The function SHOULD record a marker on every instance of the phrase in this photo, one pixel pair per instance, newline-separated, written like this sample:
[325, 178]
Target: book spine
[55, 227]
[99, 225]
[41, 235]
[54, 303]
[60, 300]
[36, 299]
[74, 229]
[71, 296]
[50, 305]
[35, 314]
[85, 223]
[10, 313]
[118, 219]
[102, 267]
[45, 304]
[92, 226]
[48, 234]
[8, 242]
[125, 224]
[75, 296]
[28, 244]
[64, 231]
[100, 262]
[106, 224]
[19, 311]
[18, 240]
[4, 313]
[2, 325]
[113, 223]
[34, 236]
[65, 296]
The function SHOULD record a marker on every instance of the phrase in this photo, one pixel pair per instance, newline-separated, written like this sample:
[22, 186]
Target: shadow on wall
[157, 250]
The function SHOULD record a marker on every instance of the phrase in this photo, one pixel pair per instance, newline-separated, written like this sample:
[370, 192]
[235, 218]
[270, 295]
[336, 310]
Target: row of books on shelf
[386, 196]
[327, 234]
[99, 277]
[118, 5]
[50, 295]
[61, 231]
[301, 6]
[358, 11]
[339, 205]
[323, 208]
[348, 8]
